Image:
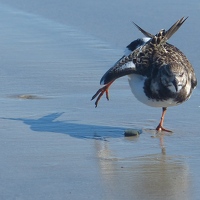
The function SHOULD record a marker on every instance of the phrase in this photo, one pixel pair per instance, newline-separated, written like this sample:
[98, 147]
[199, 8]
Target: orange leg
[160, 125]
[100, 93]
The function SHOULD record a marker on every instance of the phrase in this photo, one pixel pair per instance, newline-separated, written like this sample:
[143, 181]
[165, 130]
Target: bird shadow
[50, 123]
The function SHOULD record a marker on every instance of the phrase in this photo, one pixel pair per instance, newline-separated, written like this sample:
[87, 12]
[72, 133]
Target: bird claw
[100, 93]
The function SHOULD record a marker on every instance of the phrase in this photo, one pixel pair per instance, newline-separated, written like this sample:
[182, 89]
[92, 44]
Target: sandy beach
[54, 143]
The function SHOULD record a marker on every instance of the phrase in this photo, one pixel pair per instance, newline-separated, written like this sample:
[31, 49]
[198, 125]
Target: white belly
[136, 83]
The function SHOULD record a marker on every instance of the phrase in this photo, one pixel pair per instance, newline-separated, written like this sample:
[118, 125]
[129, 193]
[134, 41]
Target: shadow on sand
[49, 123]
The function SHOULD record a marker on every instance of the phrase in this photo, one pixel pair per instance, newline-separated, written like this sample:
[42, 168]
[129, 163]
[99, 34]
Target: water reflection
[156, 176]
[152, 176]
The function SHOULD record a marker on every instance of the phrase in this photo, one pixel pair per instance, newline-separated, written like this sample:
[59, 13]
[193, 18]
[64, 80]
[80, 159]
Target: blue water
[57, 144]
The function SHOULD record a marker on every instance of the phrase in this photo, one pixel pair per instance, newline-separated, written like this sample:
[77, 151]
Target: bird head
[173, 76]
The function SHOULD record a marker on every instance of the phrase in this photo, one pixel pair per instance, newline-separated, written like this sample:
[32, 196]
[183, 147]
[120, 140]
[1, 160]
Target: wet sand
[54, 143]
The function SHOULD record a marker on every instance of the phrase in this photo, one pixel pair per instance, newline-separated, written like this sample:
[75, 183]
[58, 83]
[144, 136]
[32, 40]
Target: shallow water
[54, 143]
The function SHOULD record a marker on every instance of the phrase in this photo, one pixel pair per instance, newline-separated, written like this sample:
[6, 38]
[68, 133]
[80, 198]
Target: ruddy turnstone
[159, 74]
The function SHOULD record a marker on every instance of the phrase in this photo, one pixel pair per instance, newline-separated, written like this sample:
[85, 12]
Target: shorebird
[159, 74]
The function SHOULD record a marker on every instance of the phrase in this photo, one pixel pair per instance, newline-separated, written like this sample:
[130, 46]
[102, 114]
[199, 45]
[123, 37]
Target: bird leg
[160, 125]
[100, 93]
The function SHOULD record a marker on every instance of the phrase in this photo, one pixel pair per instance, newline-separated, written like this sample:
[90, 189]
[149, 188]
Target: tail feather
[175, 27]
[147, 34]
[165, 34]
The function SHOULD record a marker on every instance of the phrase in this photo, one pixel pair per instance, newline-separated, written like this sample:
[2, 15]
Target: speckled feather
[147, 58]
[159, 74]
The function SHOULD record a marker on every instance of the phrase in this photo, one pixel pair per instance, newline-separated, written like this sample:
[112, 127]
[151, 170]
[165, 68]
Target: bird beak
[175, 83]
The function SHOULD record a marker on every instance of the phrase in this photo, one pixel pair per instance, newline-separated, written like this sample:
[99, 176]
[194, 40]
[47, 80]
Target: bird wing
[123, 66]
[140, 57]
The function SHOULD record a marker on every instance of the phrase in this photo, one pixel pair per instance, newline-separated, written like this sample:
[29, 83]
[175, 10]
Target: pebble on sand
[132, 132]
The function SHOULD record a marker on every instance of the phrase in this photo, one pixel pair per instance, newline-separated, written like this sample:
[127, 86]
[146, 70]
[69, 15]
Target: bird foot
[161, 128]
[100, 93]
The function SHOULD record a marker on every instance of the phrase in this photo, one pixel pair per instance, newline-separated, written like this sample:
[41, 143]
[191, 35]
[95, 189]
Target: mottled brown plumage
[160, 75]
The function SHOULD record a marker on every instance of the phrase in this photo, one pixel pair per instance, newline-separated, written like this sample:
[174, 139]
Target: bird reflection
[160, 136]
[154, 176]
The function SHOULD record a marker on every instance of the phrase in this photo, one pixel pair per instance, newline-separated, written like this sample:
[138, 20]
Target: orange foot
[100, 93]
[160, 125]
[161, 128]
